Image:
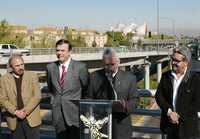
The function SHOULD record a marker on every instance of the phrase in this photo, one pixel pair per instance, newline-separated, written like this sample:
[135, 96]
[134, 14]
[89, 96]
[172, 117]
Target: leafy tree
[161, 36]
[94, 44]
[110, 39]
[77, 41]
[18, 40]
[45, 42]
[4, 30]
[116, 39]
[6, 36]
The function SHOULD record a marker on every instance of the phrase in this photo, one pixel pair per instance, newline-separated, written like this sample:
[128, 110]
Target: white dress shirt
[66, 64]
[176, 83]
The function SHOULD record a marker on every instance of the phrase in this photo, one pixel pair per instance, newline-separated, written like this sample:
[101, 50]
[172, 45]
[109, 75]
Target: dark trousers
[172, 132]
[24, 131]
[67, 132]
[71, 132]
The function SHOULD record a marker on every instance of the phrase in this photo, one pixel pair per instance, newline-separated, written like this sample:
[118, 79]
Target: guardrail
[143, 93]
[76, 50]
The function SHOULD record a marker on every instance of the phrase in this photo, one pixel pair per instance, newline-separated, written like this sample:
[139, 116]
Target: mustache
[175, 65]
[21, 70]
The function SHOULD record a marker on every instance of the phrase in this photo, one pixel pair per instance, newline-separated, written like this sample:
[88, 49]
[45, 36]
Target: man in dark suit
[0, 117]
[67, 80]
[111, 83]
[0, 112]
[178, 97]
[0, 122]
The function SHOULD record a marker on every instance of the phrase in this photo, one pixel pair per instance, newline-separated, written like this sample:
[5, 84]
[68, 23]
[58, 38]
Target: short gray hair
[111, 54]
[184, 51]
[108, 52]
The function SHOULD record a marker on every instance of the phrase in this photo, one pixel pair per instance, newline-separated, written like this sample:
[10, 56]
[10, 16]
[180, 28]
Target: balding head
[16, 62]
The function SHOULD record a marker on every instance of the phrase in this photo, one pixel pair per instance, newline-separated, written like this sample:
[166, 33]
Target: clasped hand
[174, 117]
[20, 114]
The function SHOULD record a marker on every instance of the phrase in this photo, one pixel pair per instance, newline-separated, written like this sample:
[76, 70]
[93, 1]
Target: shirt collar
[15, 75]
[115, 73]
[175, 76]
[66, 64]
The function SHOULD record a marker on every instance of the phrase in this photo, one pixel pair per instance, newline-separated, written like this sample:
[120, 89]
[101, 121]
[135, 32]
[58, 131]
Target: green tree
[110, 39]
[116, 39]
[4, 30]
[18, 40]
[77, 41]
[94, 44]
[6, 36]
[161, 36]
[45, 42]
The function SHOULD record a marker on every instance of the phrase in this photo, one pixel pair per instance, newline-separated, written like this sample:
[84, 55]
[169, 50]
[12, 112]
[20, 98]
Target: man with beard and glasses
[20, 97]
[178, 95]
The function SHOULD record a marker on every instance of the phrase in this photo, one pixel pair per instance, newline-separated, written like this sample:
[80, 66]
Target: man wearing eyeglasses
[178, 97]
[111, 83]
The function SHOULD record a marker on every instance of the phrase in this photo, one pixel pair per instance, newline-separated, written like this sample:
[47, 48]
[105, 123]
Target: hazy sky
[101, 14]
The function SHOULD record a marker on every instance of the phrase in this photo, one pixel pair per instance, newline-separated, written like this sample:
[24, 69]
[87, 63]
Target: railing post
[159, 71]
[146, 76]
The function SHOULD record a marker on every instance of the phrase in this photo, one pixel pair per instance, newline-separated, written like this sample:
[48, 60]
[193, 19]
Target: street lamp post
[158, 26]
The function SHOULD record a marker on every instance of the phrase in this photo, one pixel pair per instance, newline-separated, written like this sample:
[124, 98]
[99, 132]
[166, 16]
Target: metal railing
[75, 50]
[143, 93]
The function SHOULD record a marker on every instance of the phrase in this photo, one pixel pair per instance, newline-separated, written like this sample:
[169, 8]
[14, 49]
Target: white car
[8, 49]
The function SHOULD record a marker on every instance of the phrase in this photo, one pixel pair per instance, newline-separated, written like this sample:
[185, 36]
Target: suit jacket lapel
[183, 84]
[24, 81]
[116, 83]
[171, 78]
[12, 83]
[56, 76]
[57, 72]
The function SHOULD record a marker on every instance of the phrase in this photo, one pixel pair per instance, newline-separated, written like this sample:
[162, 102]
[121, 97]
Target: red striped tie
[62, 79]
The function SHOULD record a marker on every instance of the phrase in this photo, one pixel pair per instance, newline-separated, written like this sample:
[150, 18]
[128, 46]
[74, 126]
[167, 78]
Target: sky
[102, 14]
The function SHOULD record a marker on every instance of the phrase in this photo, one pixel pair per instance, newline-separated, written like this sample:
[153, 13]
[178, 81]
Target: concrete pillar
[159, 71]
[146, 76]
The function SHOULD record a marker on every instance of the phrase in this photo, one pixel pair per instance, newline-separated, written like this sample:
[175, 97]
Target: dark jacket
[125, 86]
[187, 103]
[0, 112]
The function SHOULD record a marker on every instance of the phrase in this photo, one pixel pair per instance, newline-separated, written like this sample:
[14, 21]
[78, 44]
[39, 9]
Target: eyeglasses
[109, 64]
[176, 60]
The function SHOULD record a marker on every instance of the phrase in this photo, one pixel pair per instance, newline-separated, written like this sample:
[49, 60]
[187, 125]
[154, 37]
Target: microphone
[110, 77]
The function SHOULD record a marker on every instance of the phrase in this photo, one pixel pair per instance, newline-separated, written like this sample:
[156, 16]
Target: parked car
[8, 49]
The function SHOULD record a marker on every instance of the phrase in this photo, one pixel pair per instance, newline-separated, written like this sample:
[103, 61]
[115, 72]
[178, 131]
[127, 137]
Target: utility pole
[158, 25]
